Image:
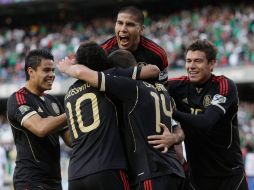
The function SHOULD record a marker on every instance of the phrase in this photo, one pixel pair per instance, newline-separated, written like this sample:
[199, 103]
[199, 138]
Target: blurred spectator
[3, 162]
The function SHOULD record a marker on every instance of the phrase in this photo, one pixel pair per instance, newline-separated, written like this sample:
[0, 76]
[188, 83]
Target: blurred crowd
[230, 28]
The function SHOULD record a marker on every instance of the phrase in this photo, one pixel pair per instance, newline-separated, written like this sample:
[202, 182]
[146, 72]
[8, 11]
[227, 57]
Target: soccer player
[129, 30]
[97, 160]
[145, 107]
[207, 110]
[37, 120]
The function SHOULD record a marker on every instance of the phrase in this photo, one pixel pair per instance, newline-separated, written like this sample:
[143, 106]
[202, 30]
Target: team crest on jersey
[218, 99]
[207, 101]
[24, 108]
[55, 108]
[160, 87]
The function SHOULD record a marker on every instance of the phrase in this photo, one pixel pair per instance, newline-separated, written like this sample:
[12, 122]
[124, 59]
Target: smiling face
[199, 69]
[43, 76]
[128, 31]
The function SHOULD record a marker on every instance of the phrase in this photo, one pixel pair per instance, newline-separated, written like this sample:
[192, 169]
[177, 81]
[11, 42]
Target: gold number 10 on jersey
[96, 119]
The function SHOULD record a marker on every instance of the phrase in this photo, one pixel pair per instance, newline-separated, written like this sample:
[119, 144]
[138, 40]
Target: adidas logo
[185, 100]
[40, 110]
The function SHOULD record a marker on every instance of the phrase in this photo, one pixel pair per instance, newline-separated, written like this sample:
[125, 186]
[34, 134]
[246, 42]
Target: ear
[30, 72]
[142, 28]
[212, 64]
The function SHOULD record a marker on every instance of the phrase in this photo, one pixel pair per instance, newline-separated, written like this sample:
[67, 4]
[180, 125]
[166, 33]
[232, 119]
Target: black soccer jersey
[144, 107]
[38, 159]
[147, 51]
[96, 143]
[211, 132]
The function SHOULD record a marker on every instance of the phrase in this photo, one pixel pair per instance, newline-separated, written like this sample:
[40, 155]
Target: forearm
[83, 73]
[89, 76]
[44, 126]
[179, 135]
[51, 124]
[202, 121]
[149, 71]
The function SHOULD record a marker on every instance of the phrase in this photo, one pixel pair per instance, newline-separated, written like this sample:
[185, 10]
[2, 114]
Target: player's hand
[68, 66]
[159, 141]
[65, 64]
[163, 141]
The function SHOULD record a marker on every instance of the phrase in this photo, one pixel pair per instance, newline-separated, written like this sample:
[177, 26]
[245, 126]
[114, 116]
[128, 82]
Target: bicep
[131, 72]
[226, 101]
[210, 117]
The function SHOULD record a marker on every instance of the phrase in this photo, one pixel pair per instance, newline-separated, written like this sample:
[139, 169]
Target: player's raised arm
[78, 71]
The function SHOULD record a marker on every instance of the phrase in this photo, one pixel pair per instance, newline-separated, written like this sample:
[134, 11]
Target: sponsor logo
[185, 100]
[40, 110]
[55, 108]
[24, 108]
[218, 99]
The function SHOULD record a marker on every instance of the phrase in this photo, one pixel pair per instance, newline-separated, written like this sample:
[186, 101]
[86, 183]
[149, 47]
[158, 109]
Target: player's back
[143, 114]
[92, 118]
[144, 107]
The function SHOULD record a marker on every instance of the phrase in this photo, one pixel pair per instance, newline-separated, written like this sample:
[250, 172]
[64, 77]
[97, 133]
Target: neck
[200, 85]
[34, 89]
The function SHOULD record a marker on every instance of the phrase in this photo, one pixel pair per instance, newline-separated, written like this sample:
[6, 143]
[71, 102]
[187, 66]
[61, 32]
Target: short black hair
[34, 57]
[92, 55]
[122, 58]
[133, 11]
[205, 46]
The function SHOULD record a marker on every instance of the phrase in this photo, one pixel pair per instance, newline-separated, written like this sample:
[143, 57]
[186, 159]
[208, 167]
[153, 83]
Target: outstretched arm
[77, 71]
[44, 126]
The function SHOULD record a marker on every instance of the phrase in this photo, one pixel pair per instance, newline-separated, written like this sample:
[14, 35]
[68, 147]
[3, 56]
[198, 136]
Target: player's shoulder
[50, 97]
[109, 43]
[159, 55]
[19, 97]
[224, 84]
[150, 44]
[223, 81]
[178, 80]
[221, 78]
[177, 84]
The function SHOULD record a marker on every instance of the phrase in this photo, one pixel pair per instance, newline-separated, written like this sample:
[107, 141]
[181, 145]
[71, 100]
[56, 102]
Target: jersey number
[157, 109]
[96, 119]
[195, 111]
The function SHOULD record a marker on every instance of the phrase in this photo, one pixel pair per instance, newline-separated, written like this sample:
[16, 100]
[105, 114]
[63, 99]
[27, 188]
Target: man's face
[128, 31]
[43, 77]
[197, 66]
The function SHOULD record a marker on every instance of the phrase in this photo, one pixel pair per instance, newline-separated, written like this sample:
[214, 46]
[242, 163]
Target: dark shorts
[167, 182]
[37, 187]
[110, 179]
[235, 182]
